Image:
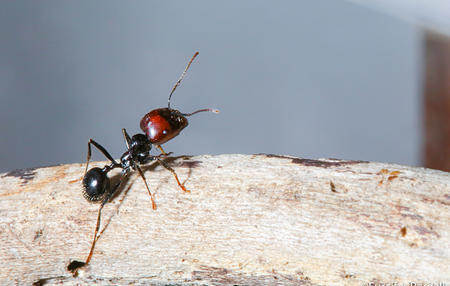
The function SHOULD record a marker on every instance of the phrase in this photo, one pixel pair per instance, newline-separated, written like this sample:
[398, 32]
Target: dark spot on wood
[323, 163]
[412, 216]
[402, 208]
[407, 212]
[191, 164]
[425, 231]
[38, 234]
[53, 280]
[274, 156]
[24, 174]
[444, 201]
[40, 282]
[333, 187]
[347, 275]
[302, 276]
[222, 276]
[315, 163]
[403, 231]
[413, 245]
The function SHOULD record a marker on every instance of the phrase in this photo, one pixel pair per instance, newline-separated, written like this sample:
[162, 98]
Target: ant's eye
[165, 131]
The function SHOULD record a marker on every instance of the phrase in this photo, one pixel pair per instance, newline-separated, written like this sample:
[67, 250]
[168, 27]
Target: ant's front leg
[165, 165]
[163, 153]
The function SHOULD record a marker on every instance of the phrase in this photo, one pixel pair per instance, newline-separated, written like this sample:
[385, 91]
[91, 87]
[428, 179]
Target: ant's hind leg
[97, 227]
[164, 164]
[101, 149]
[75, 265]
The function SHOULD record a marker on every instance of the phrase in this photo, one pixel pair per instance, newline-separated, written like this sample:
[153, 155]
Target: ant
[159, 125]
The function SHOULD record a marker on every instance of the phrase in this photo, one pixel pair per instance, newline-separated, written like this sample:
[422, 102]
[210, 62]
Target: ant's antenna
[181, 77]
[201, 110]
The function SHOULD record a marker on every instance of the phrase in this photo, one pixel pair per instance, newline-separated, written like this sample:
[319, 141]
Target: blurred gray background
[311, 79]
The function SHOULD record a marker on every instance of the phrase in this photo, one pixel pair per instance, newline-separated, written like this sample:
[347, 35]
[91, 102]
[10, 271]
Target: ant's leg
[75, 265]
[146, 185]
[101, 149]
[97, 227]
[127, 137]
[163, 153]
[162, 150]
[164, 164]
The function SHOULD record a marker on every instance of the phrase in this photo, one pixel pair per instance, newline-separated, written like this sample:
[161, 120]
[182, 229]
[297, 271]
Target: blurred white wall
[307, 78]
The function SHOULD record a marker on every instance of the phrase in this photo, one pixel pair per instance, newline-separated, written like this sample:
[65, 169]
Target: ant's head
[162, 124]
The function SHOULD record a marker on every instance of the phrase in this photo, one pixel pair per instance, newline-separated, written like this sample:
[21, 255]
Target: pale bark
[249, 219]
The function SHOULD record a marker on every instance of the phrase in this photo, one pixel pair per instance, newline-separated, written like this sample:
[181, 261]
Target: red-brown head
[162, 124]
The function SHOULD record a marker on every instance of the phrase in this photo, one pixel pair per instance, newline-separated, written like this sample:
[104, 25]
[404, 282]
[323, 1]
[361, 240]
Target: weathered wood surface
[249, 219]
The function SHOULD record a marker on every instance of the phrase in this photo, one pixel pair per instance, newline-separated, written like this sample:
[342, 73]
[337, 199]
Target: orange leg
[164, 164]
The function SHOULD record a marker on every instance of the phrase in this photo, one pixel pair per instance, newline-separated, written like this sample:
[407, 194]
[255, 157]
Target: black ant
[159, 125]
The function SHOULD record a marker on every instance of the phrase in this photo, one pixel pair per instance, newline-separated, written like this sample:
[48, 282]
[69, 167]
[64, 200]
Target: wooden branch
[249, 219]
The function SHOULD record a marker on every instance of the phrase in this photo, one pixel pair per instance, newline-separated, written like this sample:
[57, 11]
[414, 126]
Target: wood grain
[249, 219]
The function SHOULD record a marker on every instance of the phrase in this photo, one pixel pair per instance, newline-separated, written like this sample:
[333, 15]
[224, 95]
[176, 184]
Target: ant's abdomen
[95, 184]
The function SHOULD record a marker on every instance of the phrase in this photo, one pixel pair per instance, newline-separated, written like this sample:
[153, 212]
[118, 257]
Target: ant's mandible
[159, 125]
